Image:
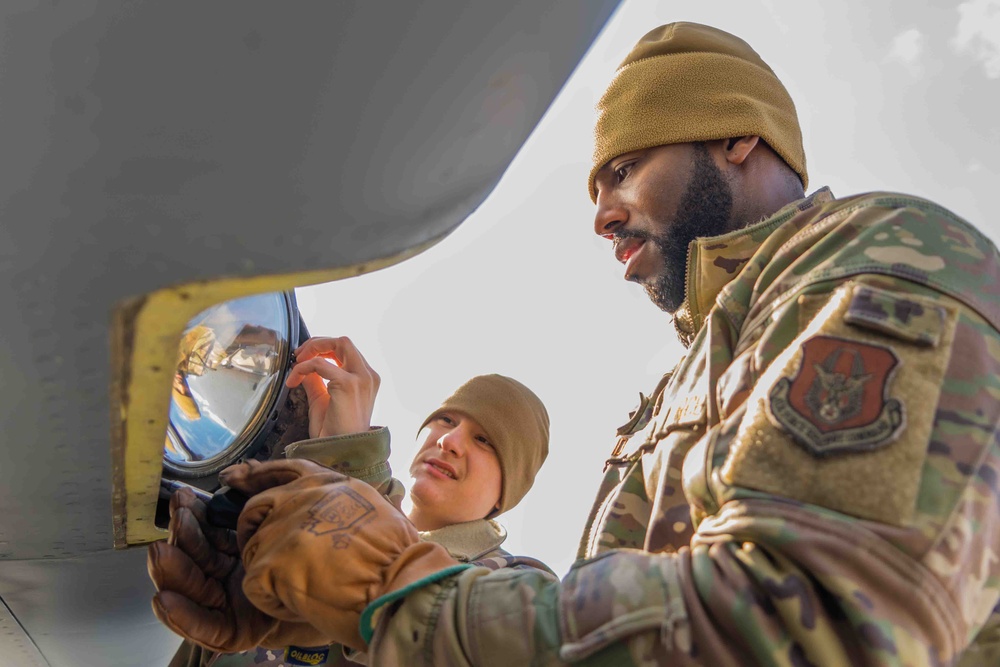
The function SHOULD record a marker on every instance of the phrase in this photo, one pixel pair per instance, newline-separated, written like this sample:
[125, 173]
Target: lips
[626, 248]
[442, 468]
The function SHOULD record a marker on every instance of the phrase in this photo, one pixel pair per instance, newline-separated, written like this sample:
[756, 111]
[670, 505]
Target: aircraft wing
[161, 156]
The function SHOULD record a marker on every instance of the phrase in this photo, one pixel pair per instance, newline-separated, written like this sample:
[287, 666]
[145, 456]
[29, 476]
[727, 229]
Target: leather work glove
[199, 577]
[319, 546]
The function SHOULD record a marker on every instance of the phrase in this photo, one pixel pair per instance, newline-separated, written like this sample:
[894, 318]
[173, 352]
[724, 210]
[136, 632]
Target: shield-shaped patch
[839, 400]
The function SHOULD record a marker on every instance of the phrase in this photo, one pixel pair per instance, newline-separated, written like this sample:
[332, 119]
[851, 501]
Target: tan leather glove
[319, 546]
[199, 576]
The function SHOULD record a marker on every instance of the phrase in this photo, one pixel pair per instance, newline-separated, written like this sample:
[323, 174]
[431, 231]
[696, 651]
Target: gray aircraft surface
[160, 158]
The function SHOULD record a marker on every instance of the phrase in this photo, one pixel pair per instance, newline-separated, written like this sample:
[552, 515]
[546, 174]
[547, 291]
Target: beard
[704, 210]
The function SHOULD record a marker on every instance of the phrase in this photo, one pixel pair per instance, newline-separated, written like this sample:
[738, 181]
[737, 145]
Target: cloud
[906, 49]
[979, 33]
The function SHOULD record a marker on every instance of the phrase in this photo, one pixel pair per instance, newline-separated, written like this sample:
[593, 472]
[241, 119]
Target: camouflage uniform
[366, 457]
[814, 484]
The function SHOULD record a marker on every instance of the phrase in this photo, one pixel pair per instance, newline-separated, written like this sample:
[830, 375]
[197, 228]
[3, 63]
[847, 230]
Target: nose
[452, 443]
[610, 215]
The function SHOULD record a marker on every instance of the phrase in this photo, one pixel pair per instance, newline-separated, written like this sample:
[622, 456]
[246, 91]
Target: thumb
[253, 477]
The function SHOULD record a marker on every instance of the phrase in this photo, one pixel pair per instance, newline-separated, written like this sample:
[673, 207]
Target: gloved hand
[199, 577]
[319, 546]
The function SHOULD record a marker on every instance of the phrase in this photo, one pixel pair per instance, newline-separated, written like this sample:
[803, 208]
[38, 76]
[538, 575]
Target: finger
[184, 497]
[317, 397]
[172, 570]
[300, 372]
[206, 627]
[342, 349]
[318, 400]
[312, 383]
[319, 346]
[253, 477]
[280, 501]
[260, 507]
[254, 513]
[352, 360]
[186, 534]
[221, 539]
[321, 367]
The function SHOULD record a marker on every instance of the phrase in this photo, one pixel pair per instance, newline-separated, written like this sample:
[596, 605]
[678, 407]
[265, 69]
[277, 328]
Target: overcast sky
[890, 97]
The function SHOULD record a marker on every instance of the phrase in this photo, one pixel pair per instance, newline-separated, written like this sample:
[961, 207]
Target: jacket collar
[470, 540]
[714, 261]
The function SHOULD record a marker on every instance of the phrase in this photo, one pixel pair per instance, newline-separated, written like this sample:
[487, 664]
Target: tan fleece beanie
[515, 422]
[688, 82]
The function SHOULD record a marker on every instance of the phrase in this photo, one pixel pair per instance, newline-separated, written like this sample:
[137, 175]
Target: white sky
[890, 98]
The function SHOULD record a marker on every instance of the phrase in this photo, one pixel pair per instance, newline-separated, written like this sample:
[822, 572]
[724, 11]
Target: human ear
[739, 148]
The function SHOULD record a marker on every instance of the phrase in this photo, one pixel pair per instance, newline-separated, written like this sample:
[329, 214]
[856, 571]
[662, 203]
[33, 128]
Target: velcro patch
[842, 417]
[909, 317]
[838, 401]
[312, 655]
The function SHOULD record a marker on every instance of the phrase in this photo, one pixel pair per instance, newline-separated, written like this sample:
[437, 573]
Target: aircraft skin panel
[91, 610]
[149, 146]
[16, 647]
[144, 149]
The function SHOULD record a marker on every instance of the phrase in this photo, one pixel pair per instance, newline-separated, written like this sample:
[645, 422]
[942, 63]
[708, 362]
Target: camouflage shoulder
[893, 235]
[504, 560]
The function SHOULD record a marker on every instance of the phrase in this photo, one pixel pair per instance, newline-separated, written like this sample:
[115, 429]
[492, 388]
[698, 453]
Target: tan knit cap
[516, 424]
[688, 82]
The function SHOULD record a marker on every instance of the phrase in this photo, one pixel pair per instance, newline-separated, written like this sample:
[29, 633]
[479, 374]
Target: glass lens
[230, 366]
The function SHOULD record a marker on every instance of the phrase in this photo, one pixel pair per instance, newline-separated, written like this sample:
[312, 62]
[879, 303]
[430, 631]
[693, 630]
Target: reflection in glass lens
[229, 366]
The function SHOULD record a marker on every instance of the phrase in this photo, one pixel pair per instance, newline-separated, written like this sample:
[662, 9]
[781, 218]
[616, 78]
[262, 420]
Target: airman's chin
[664, 294]
[425, 491]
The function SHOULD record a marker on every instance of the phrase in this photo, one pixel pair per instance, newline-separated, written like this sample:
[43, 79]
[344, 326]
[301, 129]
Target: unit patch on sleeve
[843, 414]
[838, 401]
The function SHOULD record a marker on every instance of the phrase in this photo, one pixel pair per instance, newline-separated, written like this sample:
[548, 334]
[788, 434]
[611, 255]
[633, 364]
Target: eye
[622, 171]
[445, 419]
[482, 439]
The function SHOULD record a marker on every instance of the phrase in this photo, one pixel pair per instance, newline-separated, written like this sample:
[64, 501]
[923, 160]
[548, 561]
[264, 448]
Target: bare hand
[340, 384]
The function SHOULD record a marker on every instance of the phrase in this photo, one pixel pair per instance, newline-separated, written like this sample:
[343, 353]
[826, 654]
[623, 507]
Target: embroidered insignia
[838, 400]
[337, 514]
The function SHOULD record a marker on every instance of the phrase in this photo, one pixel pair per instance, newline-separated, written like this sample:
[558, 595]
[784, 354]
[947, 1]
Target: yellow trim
[145, 335]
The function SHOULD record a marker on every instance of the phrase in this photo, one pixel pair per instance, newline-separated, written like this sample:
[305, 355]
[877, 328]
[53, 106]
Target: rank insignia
[839, 400]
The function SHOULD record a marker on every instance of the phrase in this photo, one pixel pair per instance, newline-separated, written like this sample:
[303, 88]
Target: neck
[422, 522]
[764, 185]
[765, 202]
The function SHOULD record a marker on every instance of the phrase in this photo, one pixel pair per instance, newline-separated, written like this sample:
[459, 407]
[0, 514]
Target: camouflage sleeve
[363, 456]
[516, 562]
[886, 552]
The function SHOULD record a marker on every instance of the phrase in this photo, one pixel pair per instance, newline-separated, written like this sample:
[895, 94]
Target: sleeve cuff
[362, 455]
[369, 617]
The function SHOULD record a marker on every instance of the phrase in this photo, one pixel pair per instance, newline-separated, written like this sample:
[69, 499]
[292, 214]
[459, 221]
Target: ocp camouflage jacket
[814, 484]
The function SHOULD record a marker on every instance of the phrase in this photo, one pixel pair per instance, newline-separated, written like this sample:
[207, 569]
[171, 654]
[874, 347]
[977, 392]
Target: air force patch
[838, 401]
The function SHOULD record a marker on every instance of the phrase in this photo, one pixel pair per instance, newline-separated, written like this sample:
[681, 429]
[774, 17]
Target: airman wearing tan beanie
[517, 424]
[685, 82]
